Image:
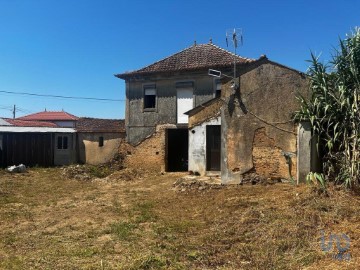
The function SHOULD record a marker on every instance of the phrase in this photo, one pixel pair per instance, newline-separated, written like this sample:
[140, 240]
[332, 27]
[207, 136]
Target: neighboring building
[35, 143]
[158, 95]
[50, 138]
[249, 129]
[61, 119]
[99, 139]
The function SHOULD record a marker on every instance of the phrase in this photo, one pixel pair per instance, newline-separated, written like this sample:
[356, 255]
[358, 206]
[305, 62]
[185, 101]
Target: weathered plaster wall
[141, 123]
[150, 153]
[197, 145]
[250, 141]
[91, 153]
[206, 113]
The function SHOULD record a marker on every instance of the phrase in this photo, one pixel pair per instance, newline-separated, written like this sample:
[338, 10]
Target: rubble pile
[193, 183]
[101, 172]
[79, 172]
[253, 178]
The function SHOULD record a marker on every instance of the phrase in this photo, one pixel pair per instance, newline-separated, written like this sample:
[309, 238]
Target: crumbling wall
[269, 160]
[150, 153]
[256, 122]
[206, 113]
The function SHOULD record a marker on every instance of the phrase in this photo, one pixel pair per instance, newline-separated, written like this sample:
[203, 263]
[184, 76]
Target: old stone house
[180, 118]
[158, 95]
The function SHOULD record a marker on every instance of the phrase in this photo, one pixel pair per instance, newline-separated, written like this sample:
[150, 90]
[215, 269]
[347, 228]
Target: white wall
[197, 146]
[65, 123]
[65, 156]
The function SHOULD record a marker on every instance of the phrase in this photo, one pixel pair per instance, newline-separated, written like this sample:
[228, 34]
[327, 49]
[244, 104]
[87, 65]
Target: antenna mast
[234, 35]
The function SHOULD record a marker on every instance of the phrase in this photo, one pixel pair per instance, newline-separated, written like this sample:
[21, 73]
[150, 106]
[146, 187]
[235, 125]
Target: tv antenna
[234, 38]
[237, 39]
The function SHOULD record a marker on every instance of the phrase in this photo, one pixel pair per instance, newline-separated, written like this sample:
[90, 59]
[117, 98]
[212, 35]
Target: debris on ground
[254, 178]
[17, 169]
[197, 183]
[79, 172]
[101, 172]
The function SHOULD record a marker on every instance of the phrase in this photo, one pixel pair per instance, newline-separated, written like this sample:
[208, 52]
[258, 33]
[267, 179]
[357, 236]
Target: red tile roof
[25, 123]
[201, 56]
[86, 124]
[49, 116]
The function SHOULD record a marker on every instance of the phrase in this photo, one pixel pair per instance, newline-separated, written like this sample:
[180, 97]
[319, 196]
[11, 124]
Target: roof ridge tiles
[247, 58]
[197, 56]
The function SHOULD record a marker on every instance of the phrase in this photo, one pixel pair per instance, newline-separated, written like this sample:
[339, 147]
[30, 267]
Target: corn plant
[318, 180]
[333, 109]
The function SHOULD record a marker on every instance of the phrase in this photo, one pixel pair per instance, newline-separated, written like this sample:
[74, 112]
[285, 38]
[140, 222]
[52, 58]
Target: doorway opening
[213, 148]
[177, 150]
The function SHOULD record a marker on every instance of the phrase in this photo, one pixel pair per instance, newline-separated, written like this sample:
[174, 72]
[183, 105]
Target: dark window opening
[62, 142]
[176, 150]
[101, 141]
[149, 97]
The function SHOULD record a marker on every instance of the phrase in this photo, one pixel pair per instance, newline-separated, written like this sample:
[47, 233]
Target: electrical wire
[59, 96]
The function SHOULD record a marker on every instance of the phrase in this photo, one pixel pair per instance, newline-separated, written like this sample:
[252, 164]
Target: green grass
[123, 230]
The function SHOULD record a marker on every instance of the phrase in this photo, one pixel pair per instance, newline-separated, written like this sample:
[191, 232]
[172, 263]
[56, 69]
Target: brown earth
[143, 221]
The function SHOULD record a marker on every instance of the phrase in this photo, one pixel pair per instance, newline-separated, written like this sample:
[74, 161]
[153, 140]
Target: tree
[333, 110]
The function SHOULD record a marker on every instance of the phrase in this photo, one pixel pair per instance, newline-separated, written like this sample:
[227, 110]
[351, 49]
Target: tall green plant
[333, 109]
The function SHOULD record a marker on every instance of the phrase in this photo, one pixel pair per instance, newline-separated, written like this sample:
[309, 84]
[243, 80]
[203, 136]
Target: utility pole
[14, 110]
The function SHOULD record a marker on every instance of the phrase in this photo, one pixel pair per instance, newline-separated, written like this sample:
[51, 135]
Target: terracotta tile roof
[49, 116]
[201, 56]
[25, 123]
[87, 124]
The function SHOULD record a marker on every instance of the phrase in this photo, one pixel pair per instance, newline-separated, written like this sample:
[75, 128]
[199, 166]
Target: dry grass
[48, 222]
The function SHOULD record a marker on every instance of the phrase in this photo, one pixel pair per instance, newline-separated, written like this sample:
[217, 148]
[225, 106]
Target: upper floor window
[62, 142]
[150, 96]
[217, 88]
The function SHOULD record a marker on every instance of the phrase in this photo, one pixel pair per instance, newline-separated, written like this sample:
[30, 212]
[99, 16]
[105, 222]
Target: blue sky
[73, 47]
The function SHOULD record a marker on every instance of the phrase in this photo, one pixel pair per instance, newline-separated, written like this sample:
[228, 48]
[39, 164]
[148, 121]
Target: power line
[18, 109]
[58, 96]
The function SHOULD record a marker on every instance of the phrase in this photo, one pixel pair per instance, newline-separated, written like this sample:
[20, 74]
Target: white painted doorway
[184, 104]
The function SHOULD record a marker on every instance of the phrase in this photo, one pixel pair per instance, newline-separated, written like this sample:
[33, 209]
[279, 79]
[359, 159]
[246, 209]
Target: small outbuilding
[99, 139]
[35, 143]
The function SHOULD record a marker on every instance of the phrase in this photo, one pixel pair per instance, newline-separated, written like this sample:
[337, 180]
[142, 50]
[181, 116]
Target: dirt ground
[132, 220]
